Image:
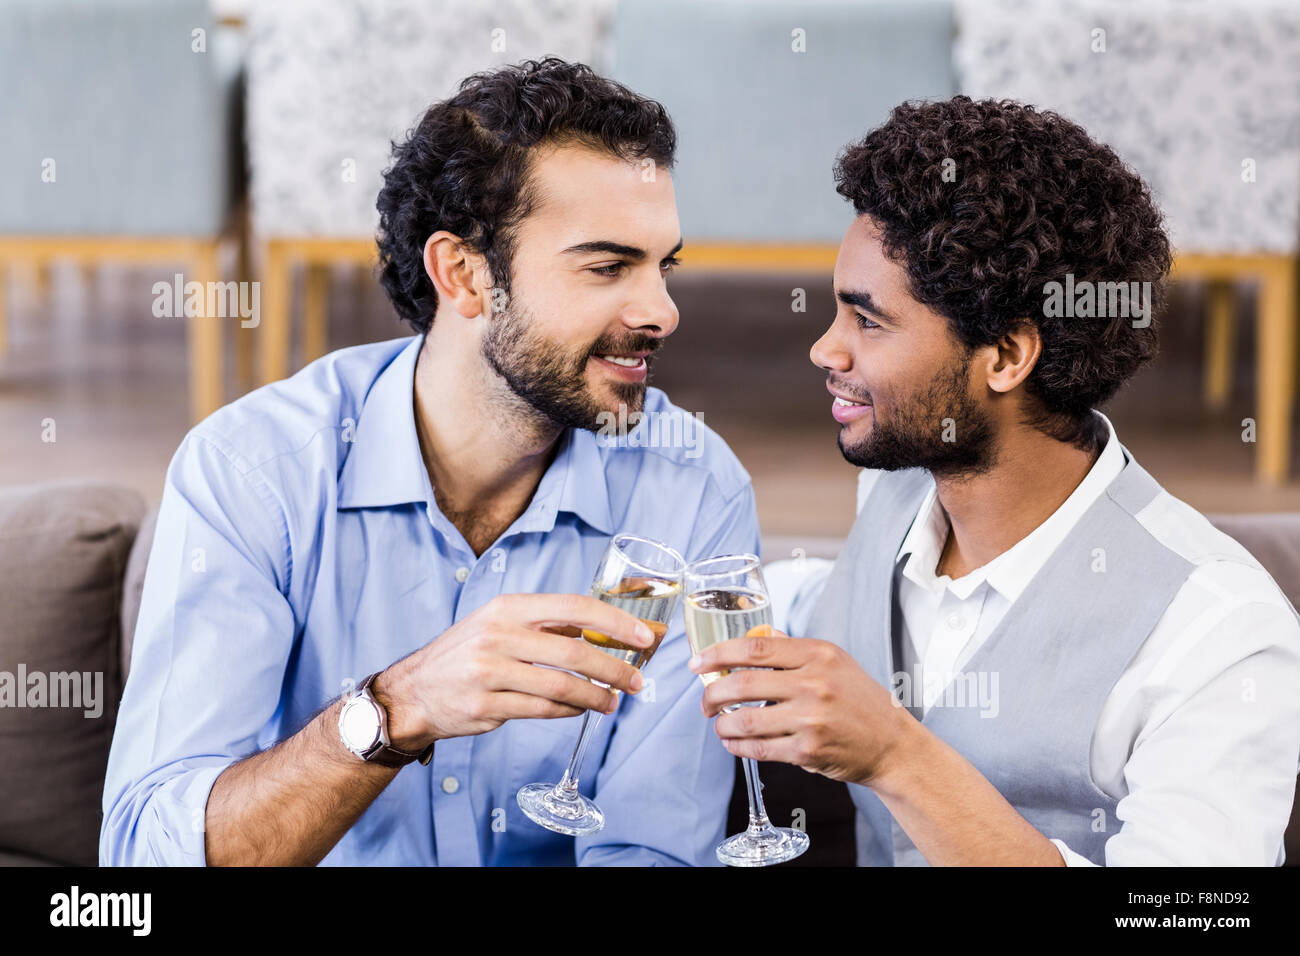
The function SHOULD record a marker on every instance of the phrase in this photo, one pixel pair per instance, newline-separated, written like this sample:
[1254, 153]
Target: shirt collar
[385, 466]
[1010, 572]
[574, 483]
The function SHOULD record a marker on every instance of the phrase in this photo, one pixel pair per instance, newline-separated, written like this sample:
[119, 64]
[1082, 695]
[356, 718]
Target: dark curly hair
[465, 167]
[1033, 198]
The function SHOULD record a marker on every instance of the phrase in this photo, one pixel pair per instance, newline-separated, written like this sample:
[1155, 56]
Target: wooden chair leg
[41, 280]
[274, 339]
[4, 328]
[1219, 351]
[1275, 360]
[205, 343]
[244, 335]
[364, 279]
[315, 334]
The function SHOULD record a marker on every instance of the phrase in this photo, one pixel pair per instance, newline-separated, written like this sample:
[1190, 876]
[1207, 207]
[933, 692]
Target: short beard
[912, 435]
[549, 379]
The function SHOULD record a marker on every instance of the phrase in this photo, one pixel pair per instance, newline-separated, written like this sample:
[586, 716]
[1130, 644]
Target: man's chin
[620, 398]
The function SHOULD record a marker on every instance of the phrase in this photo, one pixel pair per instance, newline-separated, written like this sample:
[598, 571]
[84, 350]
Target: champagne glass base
[573, 816]
[772, 845]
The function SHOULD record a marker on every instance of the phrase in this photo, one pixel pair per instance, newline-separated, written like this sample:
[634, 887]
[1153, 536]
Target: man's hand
[481, 672]
[825, 714]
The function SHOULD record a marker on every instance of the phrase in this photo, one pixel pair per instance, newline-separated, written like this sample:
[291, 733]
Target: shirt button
[462, 574]
[956, 621]
[450, 784]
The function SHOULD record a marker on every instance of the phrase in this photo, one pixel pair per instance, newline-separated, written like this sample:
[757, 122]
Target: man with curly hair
[363, 566]
[1028, 652]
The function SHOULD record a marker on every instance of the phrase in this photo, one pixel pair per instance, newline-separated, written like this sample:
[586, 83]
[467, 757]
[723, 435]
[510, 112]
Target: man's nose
[653, 312]
[829, 353]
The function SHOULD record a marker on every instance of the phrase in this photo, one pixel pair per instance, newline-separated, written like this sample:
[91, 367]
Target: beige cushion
[133, 585]
[63, 552]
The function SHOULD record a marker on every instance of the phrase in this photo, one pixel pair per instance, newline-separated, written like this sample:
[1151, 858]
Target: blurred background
[237, 140]
[168, 141]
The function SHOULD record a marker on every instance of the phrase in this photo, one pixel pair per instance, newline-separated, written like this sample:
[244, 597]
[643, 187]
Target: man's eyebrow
[862, 299]
[615, 248]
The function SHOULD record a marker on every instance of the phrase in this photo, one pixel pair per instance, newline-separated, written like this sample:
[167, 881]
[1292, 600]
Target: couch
[72, 562]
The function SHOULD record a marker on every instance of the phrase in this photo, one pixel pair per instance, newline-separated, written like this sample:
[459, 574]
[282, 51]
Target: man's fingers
[740, 686]
[578, 610]
[511, 705]
[773, 721]
[759, 651]
[574, 655]
[564, 630]
[555, 685]
[779, 749]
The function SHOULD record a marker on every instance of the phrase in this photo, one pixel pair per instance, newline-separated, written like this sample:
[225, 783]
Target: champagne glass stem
[758, 820]
[567, 788]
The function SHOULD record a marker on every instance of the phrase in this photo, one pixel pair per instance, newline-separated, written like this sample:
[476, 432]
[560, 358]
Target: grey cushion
[63, 552]
[133, 586]
[16, 859]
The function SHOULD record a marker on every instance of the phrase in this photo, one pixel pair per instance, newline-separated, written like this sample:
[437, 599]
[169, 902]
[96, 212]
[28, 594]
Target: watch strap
[388, 756]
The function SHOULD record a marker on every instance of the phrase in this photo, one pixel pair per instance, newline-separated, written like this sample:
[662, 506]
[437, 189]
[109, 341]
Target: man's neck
[989, 513]
[485, 451]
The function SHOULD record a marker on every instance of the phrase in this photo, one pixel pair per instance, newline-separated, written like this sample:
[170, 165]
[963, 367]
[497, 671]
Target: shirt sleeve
[795, 585]
[214, 634]
[1211, 776]
[1071, 858]
[665, 767]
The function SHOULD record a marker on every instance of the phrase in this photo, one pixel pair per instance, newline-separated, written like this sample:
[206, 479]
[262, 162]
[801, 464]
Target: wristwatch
[363, 727]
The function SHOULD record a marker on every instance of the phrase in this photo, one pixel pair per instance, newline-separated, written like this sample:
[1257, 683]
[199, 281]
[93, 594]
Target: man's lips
[629, 366]
[845, 408]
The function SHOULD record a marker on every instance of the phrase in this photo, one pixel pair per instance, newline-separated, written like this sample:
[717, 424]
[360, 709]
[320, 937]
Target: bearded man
[1028, 652]
[416, 523]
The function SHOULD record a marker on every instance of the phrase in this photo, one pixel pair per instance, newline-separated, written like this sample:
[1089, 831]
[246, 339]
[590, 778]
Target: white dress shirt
[1199, 739]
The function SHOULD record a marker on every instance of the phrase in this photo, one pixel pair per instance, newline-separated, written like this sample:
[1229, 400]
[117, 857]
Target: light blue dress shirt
[299, 548]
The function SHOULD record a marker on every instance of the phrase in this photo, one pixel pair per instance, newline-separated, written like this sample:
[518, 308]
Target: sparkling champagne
[653, 600]
[719, 614]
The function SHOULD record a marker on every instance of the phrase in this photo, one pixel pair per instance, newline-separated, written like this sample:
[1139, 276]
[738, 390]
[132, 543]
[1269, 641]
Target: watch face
[359, 724]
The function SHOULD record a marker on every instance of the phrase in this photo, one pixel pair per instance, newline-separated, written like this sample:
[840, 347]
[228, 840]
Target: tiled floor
[112, 377]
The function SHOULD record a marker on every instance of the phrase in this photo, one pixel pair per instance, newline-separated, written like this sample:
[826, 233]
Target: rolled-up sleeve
[214, 634]
[664, 768]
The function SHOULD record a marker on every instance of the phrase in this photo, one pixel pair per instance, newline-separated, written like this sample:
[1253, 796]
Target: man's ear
[458, 273]
[1013, 357]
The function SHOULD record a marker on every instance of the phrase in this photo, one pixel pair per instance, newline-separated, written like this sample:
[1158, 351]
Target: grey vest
[1056, 655]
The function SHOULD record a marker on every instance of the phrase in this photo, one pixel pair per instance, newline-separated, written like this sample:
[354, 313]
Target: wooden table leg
[315, 312]
[1276, 364]
[1218, 344]
[274, 339]
[206, 394]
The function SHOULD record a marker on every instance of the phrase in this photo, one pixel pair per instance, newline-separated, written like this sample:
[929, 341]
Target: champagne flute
[726, 597]
[644, 578]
